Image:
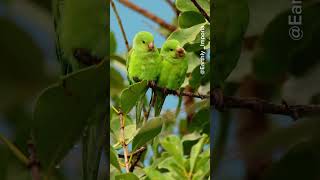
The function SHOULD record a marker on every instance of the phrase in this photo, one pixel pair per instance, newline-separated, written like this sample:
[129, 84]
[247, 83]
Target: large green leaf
[62, 112]
[223, 64]
[114, 158]
[131, 95]
[229, 27]
[190, 18]
[195, 151]
[231, 18]
[198, 78]
[280, 54]
[173, 146]
[187, 35]
[147, 132]
[22, 70]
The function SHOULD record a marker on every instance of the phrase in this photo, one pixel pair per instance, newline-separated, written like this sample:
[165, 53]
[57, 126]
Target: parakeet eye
[171, 49]
[143, 42]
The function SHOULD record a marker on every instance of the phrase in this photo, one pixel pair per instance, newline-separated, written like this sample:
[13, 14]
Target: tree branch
[177, 93]
[120, 24]
[148, 14]
[34, 163]
[202, 11]
[253, 104]
[263, 106]
[123, 141]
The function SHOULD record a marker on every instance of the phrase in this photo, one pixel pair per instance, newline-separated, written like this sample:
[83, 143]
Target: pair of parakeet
[167, 68]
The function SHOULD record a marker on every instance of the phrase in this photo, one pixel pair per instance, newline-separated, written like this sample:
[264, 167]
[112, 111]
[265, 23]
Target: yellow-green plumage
[81, 24]
[143, 59]
[174, 67]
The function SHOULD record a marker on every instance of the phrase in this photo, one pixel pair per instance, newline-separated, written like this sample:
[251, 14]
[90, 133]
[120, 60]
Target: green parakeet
[81, 32]
[174, 67]
[143, 63]
[143, 59]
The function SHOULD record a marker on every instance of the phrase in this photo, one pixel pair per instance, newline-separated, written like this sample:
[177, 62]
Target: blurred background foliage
[267, 64]
[28, 65]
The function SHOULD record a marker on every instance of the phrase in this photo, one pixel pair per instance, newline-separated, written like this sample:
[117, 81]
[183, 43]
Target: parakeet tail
[159, 98]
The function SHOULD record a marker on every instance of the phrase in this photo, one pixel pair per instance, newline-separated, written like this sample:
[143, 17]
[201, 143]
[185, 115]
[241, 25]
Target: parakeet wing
[127, 65]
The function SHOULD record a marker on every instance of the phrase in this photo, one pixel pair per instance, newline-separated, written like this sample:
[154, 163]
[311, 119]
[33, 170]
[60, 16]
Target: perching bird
[81, 32]
[143, 59]
[174, 67]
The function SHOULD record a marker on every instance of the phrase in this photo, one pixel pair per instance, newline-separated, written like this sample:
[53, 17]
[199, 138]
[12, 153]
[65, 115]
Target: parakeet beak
[151, 46]
[180, 52]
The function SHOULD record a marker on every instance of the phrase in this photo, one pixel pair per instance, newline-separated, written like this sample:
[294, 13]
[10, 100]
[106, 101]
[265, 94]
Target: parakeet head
[143, 41]
[172, 49]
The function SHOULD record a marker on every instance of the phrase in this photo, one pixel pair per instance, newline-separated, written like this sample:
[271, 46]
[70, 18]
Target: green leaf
[128, 176]
[147, 132]
[201, 121]
[62, 112]
[176, 170]
[187, 5]
[224, 63]
[278, 54]
[197, 78]
[154, 174]
[131, 95]
[114, 158]
[113, 43]
[202, 167]
[173, 146]
[195, 151]
[202, 41]
[19, 80]
[230, 22]
[190, 18]
[186, 35]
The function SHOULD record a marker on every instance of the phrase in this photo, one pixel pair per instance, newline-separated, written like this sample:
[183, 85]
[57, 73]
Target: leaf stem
[19, 155]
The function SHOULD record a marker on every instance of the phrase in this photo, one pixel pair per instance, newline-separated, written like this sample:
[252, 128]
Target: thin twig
[173, 7]
[120, 24]
[34, 163]
[202, 11]
[148, 14]
[123, 141]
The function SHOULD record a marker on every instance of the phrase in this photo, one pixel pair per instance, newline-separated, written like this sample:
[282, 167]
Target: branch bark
[34, 163]
[202, 11]
[123, 141]
[148, 14]
[251, 103]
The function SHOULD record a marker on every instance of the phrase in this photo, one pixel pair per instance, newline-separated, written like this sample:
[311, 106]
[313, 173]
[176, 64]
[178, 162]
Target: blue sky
[134, 22]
